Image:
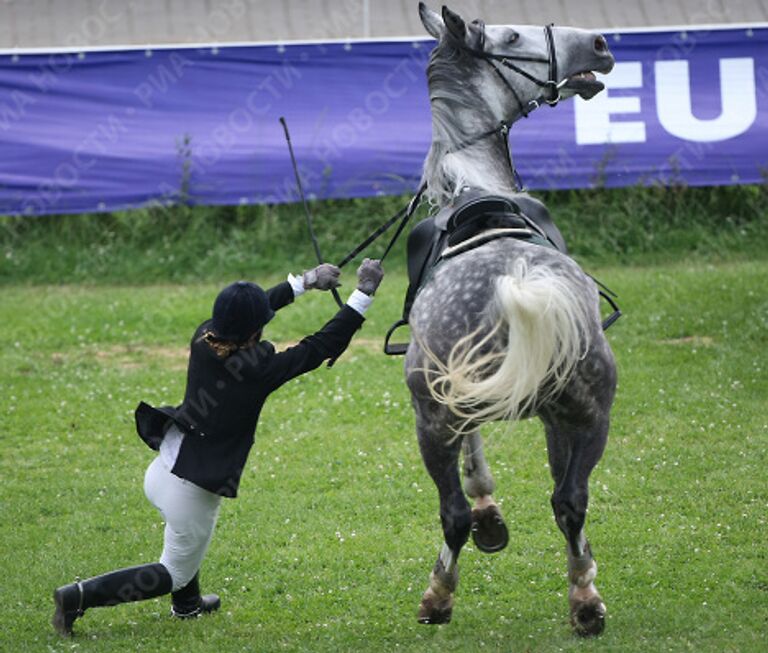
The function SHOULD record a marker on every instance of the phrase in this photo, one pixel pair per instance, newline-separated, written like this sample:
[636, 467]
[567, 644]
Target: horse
[509, 329]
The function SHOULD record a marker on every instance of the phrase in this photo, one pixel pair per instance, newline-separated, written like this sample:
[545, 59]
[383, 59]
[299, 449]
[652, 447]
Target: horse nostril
[601, 45]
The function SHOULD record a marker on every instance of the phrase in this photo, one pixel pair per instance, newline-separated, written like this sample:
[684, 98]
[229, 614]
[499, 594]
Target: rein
[403, 215]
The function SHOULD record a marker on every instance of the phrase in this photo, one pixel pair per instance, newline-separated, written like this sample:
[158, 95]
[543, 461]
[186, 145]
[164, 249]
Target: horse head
[527, 65]
[482, 78]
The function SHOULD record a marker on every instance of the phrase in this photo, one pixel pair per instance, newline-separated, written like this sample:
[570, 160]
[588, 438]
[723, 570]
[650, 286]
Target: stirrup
[398, 348]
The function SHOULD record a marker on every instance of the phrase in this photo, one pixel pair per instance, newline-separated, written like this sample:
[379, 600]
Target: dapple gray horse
[510, 329]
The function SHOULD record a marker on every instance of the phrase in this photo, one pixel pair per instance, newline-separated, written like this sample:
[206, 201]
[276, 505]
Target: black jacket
[224, 397]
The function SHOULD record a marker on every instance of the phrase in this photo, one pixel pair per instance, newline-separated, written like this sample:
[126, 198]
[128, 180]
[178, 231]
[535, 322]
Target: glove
[369, 276]
[324, 277]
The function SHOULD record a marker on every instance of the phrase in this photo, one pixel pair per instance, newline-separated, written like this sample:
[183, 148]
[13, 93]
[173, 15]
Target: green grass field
[331, 542]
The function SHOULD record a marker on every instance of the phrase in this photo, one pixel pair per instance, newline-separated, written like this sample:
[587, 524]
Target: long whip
[307, 213]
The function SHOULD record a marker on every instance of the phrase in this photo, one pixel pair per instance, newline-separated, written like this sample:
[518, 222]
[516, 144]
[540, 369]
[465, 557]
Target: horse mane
[457, 117]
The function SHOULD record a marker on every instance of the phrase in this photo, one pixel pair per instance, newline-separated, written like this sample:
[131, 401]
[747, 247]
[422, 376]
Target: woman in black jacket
[203, 443]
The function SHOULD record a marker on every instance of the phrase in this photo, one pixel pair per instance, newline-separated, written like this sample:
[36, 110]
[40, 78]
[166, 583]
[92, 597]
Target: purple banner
[106, 130]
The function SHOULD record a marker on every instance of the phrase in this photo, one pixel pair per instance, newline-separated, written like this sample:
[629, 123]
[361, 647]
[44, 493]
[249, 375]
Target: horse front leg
[440, 454]
[489, 532]
[573, 453]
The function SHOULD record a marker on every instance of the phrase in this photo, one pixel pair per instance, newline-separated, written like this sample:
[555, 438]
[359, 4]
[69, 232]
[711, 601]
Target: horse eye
[512, 38]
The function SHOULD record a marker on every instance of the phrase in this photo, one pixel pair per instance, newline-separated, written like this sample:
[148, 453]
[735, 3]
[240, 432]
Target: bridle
[550, 87]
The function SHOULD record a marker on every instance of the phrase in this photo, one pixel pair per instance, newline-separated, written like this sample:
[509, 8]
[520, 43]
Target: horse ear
[470, 35]
[455, 25]
[431, 21]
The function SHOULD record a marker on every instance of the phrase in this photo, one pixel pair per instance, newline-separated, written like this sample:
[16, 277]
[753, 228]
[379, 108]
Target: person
[203, 444]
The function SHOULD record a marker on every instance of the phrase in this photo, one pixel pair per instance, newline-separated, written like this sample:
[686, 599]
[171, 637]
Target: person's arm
[330, 341]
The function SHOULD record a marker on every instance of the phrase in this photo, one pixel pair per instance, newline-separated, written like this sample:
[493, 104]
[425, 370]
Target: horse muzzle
[585, 83]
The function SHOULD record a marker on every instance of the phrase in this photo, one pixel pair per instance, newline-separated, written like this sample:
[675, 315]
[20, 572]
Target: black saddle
[472, 219]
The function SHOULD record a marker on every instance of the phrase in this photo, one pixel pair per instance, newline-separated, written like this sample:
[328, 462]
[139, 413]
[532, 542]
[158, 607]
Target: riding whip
[308, 215]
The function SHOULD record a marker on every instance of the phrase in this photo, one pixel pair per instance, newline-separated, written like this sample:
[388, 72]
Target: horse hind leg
[489, 532]
[441, 454]
[573, 453]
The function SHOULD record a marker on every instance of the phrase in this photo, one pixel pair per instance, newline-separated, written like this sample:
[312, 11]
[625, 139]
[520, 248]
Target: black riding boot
[188, 603]
[121, 586]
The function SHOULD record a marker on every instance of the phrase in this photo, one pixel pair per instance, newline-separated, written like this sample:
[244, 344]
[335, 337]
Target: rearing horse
[511, 328]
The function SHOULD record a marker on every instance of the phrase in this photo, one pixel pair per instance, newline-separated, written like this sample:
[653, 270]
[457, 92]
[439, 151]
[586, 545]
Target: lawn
[332, 540]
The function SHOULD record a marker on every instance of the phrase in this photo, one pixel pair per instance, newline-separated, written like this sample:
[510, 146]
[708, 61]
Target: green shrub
[636, 225]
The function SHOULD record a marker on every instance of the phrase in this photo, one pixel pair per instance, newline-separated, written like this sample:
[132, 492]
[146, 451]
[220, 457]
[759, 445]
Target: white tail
[543, 328]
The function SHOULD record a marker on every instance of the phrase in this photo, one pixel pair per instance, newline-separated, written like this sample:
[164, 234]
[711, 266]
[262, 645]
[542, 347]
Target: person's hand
[324, 277]
[369, 276]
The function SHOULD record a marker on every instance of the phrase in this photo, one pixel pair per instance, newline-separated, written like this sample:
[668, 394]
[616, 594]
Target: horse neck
[484, 165]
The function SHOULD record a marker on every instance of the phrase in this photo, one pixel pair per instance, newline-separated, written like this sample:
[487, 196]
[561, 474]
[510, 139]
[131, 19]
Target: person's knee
[184, 550]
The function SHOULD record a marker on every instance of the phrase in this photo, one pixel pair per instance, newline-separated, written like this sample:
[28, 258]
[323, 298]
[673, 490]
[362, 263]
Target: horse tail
[541, 320]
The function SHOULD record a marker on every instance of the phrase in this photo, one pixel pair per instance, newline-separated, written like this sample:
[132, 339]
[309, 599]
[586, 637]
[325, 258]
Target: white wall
[53, 23]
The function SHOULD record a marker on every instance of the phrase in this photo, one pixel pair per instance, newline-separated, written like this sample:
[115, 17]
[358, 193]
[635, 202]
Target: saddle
[473, 219]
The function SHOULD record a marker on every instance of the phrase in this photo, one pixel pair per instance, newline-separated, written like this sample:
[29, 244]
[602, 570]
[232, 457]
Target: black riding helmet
[240, 310]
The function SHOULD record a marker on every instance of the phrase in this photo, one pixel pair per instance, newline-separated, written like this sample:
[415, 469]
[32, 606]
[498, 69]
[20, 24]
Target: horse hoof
[588, 619]
[489, 532]
[433, 612]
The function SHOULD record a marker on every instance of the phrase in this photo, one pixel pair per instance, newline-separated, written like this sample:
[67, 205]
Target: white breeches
[190, 514]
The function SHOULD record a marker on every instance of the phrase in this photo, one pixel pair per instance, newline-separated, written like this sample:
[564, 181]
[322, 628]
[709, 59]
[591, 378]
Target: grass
[331, 542]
